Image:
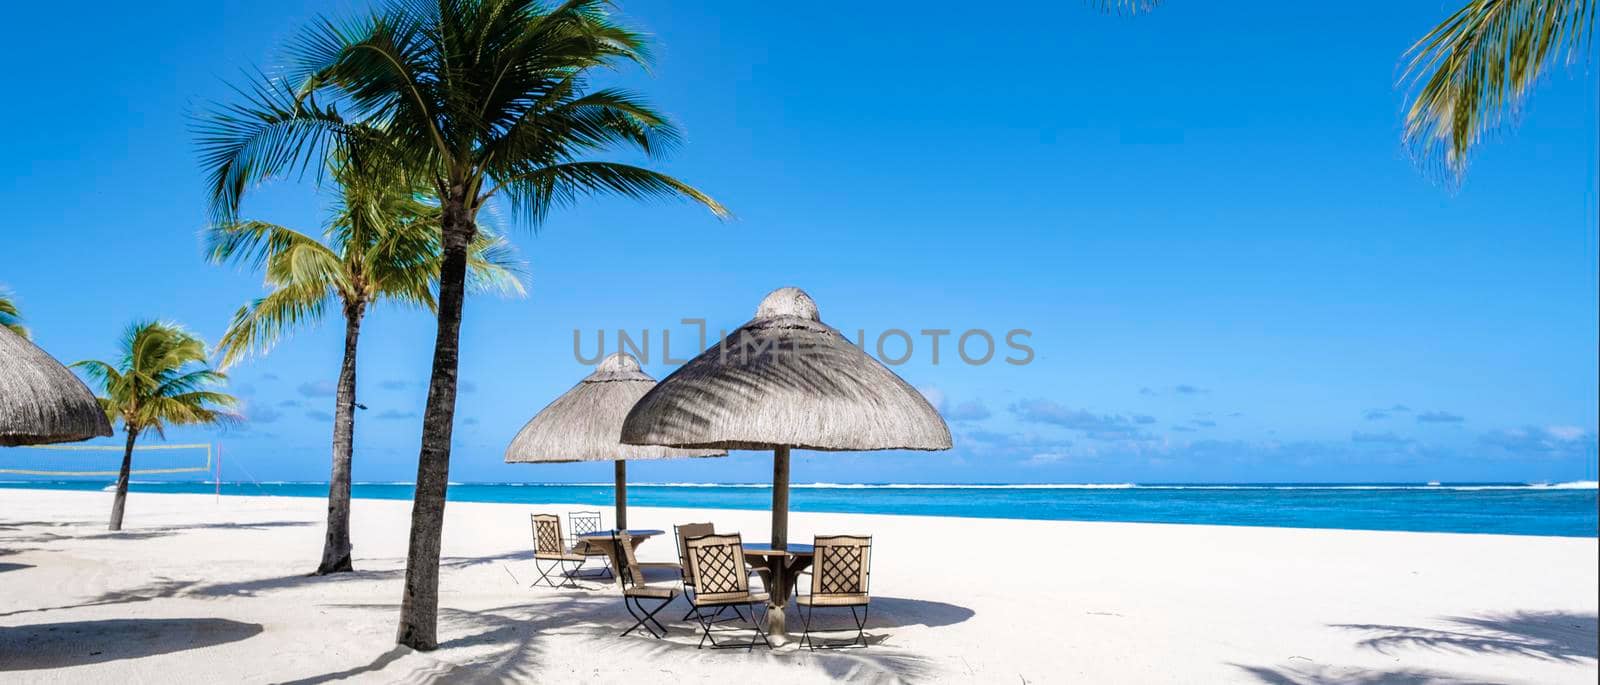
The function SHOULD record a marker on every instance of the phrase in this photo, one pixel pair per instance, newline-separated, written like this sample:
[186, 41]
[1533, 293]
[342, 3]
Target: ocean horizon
[1566, 509]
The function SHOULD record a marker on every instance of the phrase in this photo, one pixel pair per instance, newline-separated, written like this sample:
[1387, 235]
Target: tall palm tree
[1472, 69]
[382, 244]
[10, 318]
[485, 99]
[161, 380]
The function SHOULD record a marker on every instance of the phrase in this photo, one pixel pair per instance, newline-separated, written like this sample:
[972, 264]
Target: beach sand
[197, 590]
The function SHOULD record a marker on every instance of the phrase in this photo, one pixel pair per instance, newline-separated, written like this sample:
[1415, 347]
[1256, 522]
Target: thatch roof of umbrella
[41, 401]
[786, 379]
[783, 380]
[585, 424]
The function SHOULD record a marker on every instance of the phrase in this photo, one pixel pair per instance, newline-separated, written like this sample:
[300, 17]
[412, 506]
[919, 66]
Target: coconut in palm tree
[161, 379]
[485, 100]
[382, 245]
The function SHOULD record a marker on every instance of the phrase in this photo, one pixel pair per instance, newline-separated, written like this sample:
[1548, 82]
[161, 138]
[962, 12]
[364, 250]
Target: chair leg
[859, 640]
[645, 617]
[545, 571]
[705, 628]
[805, 627]
[637, 619]
[756, 626]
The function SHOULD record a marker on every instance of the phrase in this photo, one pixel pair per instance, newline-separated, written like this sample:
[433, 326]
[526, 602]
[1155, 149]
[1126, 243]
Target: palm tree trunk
[122, 480]
[336, 543]
[419, 606]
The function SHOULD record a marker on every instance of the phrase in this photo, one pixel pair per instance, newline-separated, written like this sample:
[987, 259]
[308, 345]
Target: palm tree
[10, 318]
[1478, 65]
[161, 380]
[382, 245]
[1472, 69]
[485, 99]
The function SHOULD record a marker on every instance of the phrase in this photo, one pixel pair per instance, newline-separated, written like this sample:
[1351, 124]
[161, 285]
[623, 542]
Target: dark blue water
[1567, 510]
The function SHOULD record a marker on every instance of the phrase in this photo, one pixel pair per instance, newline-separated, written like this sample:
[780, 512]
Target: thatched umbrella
[785, 380]
[584, 425]
[41, 402]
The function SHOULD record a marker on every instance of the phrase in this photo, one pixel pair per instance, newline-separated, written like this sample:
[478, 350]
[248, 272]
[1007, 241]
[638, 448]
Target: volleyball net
[87, 461]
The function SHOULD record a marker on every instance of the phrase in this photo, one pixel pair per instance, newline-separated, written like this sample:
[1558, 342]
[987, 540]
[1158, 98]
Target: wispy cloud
[393, 384]
[319, 415]
[1535, 441]
[396, 415]
[1438, 417]
[1203, 423]
[1094, 426]
[262, 414]
[1380, 414]
[289, 404]
[973, 410]
[317, 389]
[1184, 389]
[1384, 438]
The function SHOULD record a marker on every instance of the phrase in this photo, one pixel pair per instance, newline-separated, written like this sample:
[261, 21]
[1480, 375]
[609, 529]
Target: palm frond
[538, 190]
[10, 318]
[1475, 68]
[270, 131]
[258, 326]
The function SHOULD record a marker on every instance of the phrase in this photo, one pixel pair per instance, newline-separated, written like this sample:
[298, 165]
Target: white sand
[197, 591]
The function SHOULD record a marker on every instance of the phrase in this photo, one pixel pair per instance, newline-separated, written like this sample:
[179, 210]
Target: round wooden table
[786, 564]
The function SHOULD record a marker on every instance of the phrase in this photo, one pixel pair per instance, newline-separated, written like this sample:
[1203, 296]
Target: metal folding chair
[841, 576]
[681, 533]
[550, 555]
[583, 523]
[635, 591]
[721, 580]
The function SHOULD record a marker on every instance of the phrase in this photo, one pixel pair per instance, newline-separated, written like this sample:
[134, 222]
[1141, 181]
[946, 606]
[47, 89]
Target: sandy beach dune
[197, 590]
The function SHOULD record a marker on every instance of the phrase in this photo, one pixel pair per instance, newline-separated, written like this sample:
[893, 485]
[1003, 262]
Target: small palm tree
[161, 380]
[484, 99]
[382, 244]
[10, 318]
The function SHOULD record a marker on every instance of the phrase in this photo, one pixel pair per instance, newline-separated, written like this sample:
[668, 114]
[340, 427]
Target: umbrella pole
[622, 495]
[779, 592]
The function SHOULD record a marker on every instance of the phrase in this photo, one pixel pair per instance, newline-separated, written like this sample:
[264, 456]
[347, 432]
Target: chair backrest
[631, 573]
[684, 532]
[842, 565]
[547, 535]
[717, 562]
[583, 522]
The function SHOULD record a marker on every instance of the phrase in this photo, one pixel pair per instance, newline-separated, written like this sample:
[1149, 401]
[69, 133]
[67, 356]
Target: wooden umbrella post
[622, 494]
[778, 594]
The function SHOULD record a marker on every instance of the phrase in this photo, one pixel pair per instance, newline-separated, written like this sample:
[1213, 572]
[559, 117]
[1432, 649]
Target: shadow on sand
[506, 643]
[1549, 635]
[1560, 636]
[77, 643]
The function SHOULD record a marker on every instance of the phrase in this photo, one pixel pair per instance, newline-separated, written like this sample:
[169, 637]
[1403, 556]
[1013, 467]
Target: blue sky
[1230, 268]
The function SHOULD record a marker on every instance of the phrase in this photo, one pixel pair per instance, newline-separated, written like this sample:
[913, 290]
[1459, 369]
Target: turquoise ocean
[1564, 509]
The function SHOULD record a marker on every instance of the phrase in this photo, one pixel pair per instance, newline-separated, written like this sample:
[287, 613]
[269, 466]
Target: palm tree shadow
[77, 643]
[1546, 635]
[1325, 675]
